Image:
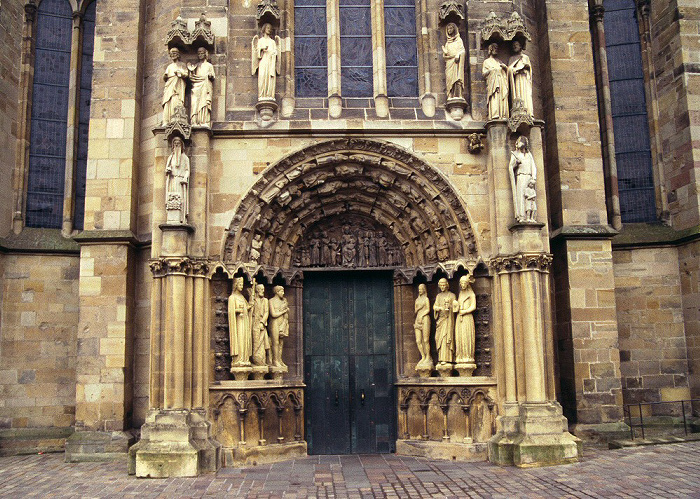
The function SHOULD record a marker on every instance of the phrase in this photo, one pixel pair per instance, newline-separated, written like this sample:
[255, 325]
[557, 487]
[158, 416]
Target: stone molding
[521, 261]
[323, 181]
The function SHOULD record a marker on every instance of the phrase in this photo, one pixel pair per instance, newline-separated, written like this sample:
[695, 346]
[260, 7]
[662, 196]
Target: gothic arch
[367, 179]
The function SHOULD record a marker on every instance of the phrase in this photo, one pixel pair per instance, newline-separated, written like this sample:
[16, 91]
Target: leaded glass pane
[310, 21]
[355, 21]
[356, 82]
[400, 21]
[310, 52]
[304, 3]
[630, 122]
[356, 52]
[355, 48]
[401, 50]
[311, 82]
[402, 82]
[47, 150]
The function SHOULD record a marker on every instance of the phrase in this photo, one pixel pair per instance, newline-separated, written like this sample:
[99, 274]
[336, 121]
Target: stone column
[532, 429]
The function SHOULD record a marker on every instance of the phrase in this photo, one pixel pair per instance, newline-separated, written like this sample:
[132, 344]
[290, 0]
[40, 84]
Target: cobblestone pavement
[655, 471]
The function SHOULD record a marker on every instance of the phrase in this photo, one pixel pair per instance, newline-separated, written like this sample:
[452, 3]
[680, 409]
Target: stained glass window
[47, 151]
[84, 114]
[310, 52]
[355, 48]
[401, 50]
[632, 144]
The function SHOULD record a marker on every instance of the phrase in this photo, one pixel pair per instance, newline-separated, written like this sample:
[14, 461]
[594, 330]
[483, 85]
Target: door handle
[362, 397]
[337, 398]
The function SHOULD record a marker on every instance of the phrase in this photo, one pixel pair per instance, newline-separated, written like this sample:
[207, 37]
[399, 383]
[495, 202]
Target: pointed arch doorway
[348, 362]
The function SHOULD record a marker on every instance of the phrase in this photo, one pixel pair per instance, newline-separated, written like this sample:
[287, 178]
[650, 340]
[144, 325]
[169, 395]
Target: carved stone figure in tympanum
[259, 317]
[177, 179]
[496, 74]
[202, 77]
[443, 247]
[520, 77]
[454, 54]
[266, 61]
[240, 337]
[279, 325]
[421, 326]
[174, 92]
[523, 179]
[444, 310]
[465, 333]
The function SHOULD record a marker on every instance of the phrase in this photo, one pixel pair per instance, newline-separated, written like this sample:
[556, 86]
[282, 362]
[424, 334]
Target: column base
[97, 446]
[174, 443]
[533, 434]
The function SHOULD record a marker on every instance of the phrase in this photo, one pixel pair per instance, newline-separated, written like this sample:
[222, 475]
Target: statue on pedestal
[444, 310]
[239, 326]
[454, 53]
[260, 312]
[174, 92]
[202, 77]
[177, 179]
[465, 332]
[421, 326]
[266, 61]
[279, 325]
[495, 73]
[523, 179]
[520, 77]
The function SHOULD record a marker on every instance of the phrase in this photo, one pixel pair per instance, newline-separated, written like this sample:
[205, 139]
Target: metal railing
[627, 409]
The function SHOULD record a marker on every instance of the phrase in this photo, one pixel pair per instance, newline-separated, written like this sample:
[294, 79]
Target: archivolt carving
[375, 180]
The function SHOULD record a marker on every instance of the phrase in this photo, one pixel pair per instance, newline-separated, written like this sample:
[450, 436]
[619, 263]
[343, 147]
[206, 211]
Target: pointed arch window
[60, 103]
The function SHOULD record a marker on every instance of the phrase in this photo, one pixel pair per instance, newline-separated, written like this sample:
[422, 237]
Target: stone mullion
[652, 98]
[381, 101]
[26, 79]
[72, 126]
[606, 121]
[333, 33]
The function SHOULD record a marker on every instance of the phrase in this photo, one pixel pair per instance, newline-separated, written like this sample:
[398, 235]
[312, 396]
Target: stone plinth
[263, 454]
[88, 446]
[533, 434]
[174, 443]
[452, 451]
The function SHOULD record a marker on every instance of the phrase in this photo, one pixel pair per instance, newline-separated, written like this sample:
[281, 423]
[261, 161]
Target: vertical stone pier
[532, 430]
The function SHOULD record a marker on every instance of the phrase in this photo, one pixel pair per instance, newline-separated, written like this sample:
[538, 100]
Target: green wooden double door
[348, 361]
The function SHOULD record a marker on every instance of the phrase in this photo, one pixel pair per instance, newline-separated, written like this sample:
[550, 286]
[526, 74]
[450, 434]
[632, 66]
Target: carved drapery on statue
[523, 179]
[177, 180]
[398, 198]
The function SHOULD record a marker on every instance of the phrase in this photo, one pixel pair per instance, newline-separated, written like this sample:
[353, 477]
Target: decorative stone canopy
[494, 29]
[375, 180]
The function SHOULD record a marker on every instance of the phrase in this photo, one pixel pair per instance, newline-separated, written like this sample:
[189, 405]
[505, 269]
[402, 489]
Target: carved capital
[597, 12]
[644, 7]
[521, 261]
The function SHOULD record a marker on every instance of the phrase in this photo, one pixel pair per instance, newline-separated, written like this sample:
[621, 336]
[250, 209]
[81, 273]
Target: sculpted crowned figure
[260, 313]
[202, 77]
[240, 337]
[279, 325]
[520, 76]
[174, 92]
[177, 171]
[266, 61]
[443, 310]
[421, 327]
[454, 53]
[465, 334]
[523, 178]
[495, 73]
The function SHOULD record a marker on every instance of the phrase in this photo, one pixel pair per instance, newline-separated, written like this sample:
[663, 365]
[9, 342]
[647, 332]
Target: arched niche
[397, 196]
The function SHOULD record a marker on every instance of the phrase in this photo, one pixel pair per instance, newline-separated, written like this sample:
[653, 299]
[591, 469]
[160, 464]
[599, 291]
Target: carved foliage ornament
[180, 265]
[522, 261]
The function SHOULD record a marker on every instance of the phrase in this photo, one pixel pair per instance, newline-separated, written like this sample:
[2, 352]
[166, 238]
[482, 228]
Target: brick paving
[653, 471]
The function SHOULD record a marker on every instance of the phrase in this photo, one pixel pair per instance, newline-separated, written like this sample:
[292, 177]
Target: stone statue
[266, 61]
[279, 325]
[454, 54]
[465, 335]
[443, 309]
[495, 73]
[520, 77]
[174, 92]
[177, 179]
[255, 246]
[260, 312]
[240, 337]
[523, 179]
[421, 326]
[202, 77]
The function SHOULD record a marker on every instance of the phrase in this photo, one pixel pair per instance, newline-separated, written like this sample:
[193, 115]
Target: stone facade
[124, 325]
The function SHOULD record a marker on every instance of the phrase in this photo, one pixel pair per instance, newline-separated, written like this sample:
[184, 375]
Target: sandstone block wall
[38, 340]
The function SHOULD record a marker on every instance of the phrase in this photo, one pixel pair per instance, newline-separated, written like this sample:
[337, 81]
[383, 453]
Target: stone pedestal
[424, 371]
[278, 372]
[266, 110]
[465, 369]
[241, 373]
[533, 434]
[174, 443]
[445, 370]
[456, 107]
[259, 372]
